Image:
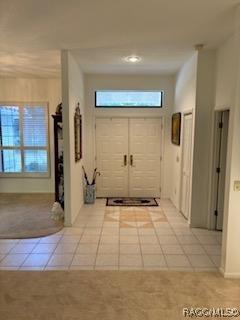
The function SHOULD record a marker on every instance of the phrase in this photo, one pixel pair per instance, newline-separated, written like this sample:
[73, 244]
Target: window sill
[25, 176]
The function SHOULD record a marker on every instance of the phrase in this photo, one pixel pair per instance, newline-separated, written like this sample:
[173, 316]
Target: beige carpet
[27, 216]
[111, 295]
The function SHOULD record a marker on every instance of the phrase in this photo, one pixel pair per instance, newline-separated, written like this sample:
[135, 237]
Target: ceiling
[101, 33]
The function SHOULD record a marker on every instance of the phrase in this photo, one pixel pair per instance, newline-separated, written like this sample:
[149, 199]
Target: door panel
[186, 165]
[145, 150]
[111, 147]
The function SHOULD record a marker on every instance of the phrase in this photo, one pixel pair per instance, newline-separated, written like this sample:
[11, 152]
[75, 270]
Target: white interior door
[186, 165]
[111, 153]
[144, 157]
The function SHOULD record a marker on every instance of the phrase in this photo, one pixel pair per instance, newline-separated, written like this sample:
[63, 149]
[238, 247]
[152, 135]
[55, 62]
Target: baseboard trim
[229, 275]
[221, 270]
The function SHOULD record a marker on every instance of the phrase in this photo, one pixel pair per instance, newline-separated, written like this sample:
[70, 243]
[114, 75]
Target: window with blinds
[24, 139]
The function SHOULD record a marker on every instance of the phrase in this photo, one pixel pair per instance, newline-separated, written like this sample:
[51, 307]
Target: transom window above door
[24, 149]
[128, 99]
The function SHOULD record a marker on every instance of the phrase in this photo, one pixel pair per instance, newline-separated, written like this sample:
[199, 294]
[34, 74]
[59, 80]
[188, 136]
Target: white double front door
[128, 154]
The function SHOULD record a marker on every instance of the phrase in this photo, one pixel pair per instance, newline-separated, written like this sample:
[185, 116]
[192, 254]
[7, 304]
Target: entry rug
[24, 216]
[132, 202]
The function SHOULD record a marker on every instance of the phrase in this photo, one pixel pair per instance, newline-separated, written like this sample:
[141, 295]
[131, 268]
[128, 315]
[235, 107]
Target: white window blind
[24, 139]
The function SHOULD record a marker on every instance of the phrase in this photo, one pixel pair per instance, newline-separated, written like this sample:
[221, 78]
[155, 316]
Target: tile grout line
[9, 252]
[139, 242]
[54, 253]
[160, 243]
[98, 244]
[28, 255]
[74, 253]
[86, 244]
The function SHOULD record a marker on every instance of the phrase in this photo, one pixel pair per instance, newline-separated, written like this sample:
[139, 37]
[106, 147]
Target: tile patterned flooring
[119, 238]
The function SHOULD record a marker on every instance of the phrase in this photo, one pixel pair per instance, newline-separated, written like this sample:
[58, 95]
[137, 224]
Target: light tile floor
[119, 238]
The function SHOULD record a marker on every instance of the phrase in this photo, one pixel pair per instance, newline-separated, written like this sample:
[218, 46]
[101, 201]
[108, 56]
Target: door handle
[124, 160]
[131, 161]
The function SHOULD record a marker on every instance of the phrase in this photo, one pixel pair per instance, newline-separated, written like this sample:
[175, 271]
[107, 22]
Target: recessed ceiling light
[133, 59]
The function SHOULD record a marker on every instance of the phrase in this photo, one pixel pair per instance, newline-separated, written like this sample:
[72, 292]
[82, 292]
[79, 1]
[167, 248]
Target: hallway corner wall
[72, 93]
[184, 101]
[228, 96]
[203, 138]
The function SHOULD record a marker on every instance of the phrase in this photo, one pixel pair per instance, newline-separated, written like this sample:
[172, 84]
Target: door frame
[185, 113]
[162, 145]
[214, 160]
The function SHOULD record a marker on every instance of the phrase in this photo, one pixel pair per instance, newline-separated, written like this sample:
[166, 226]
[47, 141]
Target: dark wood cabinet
[58, 157]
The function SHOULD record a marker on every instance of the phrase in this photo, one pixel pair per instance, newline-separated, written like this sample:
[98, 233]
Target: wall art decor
[176, 128]
[78, 133]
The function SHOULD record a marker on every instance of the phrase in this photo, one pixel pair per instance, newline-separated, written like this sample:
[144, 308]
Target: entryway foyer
[131, 102]
[128, 156]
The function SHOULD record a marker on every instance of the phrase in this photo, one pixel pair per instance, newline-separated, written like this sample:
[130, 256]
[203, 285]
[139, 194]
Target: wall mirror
[176, 128]
[78, 133]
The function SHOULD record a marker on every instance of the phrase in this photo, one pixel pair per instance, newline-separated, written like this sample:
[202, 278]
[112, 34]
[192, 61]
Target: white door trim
[184, 114]
[215, 150]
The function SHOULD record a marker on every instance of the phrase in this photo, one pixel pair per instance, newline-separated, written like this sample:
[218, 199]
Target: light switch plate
[236, 185]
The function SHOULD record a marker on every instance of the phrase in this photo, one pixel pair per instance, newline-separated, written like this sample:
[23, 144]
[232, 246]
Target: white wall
[203, 132]
[140, 82]
[228, 96]
[226, 75]
[184, 101]
[72, 93]
[195, 91]
[33, 90]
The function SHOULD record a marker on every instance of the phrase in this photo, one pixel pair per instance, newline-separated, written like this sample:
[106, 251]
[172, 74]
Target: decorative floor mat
[132, 202]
